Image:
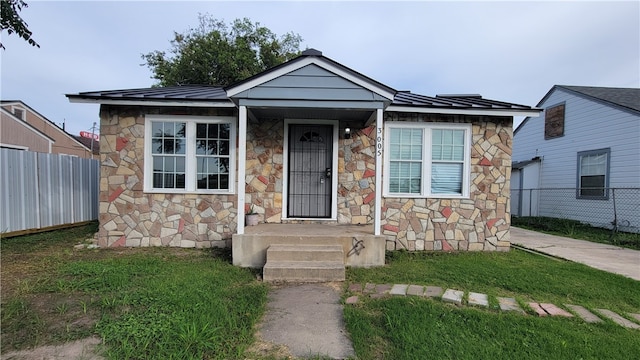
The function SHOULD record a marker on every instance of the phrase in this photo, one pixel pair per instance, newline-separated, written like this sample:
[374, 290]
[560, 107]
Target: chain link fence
[616, 208]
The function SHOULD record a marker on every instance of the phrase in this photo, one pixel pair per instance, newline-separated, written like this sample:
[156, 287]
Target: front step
[304, 263]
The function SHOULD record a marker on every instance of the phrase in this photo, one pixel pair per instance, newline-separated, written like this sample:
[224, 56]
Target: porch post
[242, 167]
[378, 207]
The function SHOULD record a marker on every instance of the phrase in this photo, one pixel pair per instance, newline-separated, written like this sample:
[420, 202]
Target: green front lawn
[154, 303]
[413, 328]
[193, 304]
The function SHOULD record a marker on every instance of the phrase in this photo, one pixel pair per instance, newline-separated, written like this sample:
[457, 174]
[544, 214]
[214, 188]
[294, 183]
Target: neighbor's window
[593, 174]
[427, 160]
[189, 154]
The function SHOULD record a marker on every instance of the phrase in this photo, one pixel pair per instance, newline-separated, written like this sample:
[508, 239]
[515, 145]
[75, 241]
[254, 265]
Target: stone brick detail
[479, 223]
[356, 177]
[264, 168]
[130, 217]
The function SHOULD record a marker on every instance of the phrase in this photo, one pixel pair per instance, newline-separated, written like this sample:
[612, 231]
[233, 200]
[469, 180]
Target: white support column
[378, 206]
[242, 166]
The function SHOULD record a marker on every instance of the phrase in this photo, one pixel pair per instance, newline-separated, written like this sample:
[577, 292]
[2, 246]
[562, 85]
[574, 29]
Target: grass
[412, 328]
[144, 303]
[193, 304]
[577, 230]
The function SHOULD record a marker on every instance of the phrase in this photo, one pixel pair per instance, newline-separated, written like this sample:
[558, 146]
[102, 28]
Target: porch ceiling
[312, 113]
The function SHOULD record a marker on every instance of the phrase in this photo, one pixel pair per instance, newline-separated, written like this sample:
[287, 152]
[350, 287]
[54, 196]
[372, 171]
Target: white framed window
[593, 174]
[189, 154]
[427, 160]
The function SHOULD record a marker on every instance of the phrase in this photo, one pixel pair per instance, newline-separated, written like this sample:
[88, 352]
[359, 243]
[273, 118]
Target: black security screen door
[310, 169]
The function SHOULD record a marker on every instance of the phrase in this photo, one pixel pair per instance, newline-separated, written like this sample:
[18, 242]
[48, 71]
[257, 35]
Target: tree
[217, 54]
[12, 22]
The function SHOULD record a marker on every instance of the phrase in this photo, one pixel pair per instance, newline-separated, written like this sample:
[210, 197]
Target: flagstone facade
[287, 125]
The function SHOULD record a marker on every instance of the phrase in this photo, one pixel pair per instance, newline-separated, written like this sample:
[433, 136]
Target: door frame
[334, 167]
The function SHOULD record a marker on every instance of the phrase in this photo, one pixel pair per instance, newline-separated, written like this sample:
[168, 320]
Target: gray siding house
[308, 142]
[585, 151]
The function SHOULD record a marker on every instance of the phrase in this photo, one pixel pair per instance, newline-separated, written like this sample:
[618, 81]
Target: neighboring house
[306, 141]
[586, 151]
[23, 128]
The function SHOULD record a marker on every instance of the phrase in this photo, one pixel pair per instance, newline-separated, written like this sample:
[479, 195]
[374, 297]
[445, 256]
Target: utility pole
[93, 131]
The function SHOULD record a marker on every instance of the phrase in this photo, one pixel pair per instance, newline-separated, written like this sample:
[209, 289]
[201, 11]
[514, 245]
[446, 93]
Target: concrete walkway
[307, 319]
[609, 258]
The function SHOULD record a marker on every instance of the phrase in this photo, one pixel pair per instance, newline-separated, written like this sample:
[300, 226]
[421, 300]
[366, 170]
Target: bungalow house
[310, 145]
[581, 159]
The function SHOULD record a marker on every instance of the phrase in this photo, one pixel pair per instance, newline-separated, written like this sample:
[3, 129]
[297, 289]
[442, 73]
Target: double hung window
[424, 160]
[593, 173]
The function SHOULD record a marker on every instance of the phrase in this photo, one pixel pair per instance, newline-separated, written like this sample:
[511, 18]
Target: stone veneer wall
[479, 223]
[356, 173]
[263, 190]
[356, 177]
[130, 217]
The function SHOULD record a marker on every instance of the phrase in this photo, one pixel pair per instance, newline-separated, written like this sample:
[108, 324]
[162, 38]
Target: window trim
[425, 182]
[606, 151]
[190, 153]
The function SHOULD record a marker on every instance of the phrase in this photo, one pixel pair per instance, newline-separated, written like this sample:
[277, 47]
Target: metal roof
[207, 93]
[464, 101]
[204, 93]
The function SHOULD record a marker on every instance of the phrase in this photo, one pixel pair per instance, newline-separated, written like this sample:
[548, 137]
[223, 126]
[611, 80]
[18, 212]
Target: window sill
[181, 191]
[420, 196]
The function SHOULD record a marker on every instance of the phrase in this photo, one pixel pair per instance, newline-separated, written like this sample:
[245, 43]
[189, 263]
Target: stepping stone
[415, 290]
[554, 310]
[453, 296]
[433, 291]
[369, 288]
[352, 300]
[618, 319]
[478, 299]
[585, 314]
[509, 304]
[399, 290]
[538, 309]
[355, 287]
[635, 316]
[383, 288]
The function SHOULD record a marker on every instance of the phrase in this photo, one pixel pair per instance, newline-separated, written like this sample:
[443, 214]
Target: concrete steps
[304, 263]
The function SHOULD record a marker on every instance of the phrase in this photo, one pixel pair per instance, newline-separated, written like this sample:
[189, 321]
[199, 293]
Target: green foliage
[12, 22]
[214, 53]
[578, 230]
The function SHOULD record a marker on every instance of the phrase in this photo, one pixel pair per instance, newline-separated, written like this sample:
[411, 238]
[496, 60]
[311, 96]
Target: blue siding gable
[310, 82]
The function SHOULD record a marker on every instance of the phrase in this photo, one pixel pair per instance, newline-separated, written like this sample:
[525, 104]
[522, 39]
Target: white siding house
[586, 147]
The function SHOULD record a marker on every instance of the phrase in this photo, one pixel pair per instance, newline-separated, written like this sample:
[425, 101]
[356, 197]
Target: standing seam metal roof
[184, 92]
[454, 101]
[216, 93]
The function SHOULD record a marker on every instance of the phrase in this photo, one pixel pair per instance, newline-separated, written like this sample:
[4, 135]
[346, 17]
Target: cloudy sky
[511, 51]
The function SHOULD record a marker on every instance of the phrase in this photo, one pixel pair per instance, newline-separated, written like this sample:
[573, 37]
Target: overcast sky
[509, 51]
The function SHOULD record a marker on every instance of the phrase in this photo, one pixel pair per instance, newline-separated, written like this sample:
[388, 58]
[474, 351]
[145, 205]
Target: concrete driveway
[609, 258]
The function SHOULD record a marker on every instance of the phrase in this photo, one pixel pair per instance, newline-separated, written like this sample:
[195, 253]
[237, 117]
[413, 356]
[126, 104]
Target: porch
[360, 247]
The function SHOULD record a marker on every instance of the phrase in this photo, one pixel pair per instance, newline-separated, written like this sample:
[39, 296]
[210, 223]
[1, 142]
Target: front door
[310, 171]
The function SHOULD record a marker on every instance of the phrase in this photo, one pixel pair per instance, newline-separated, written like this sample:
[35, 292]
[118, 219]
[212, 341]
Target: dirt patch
[84, 349]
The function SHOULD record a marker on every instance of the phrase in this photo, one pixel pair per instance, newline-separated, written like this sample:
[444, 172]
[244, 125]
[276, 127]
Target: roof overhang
[533, 112]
